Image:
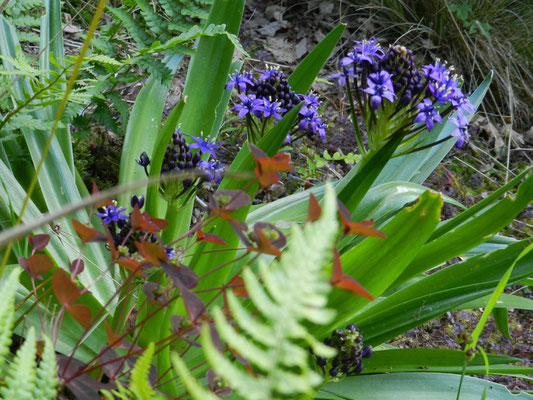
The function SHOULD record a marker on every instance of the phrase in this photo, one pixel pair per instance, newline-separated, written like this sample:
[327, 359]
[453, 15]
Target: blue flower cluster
[120, 227]
[388, 83]
[267, 96]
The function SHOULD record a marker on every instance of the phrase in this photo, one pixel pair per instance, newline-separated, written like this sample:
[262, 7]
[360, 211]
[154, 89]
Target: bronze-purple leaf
[181, 275]
[111, 362]
[39, 242]
[194, 305]
[76, 267]
[155, 293]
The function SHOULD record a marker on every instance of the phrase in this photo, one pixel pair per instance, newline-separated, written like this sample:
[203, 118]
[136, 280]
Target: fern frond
[46, 384]
[194, 11]
[8, 290]
[102, 59]
[294, 292]
[196, 390]
[171, 8]
[27, 120]
[135, 30]
[22, 373]
[29, 37]
[154, 22]
[156, 68]
[26, 21]
[140, 385]
[24, 5]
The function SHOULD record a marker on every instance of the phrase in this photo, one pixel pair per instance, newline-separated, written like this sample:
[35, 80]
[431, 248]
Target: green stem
[358, 136]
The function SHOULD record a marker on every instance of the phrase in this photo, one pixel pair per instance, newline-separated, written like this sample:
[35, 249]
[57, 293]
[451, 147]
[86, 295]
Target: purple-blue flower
[204, 146]
[436, 71]
[342, 76]
[310, 100]
[137, 201]
[268, 73]
[368, 49]
[212, 170]
[461, 102]
[112, 214]
[380, 86]
[352, 58]
[311, 122]
[170, 252]
[249, 104]
[272, 109]
[461, 130]
[427, 114]
[241, 81]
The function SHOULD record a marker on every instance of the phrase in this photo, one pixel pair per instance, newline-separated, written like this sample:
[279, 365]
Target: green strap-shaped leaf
[376, 263]
[470, 234]
[505, 301]
[413, 360]
[440, 292]
[418, 386]
[305, 74]
[52, 46]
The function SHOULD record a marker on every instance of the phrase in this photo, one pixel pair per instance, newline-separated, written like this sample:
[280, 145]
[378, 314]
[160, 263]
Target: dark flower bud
[352, 327]
[187, 183]
[335, 362]
[358, 368]
[143, 160]
[321, 361]
[367, 352]
[139, 201]
[196, 158]
[188, 156]
[333, 372]
[345, 369]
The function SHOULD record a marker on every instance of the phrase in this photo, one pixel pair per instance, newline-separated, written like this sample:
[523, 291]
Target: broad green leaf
[154, 202]
[432, 360]
[472, 211]
[501, 319]
[379, 204]
[505, 301]
[141, 133]
[353, 187]
[305, 74]
[423, 299]
[52, 46]
[471, 233]
[376, 262]
[417, 386]
[209, 69]
[502, 284]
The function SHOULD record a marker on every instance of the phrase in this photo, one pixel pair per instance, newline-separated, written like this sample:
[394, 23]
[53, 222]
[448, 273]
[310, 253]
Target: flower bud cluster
[350, 353]
[266, 97]
[181, 156]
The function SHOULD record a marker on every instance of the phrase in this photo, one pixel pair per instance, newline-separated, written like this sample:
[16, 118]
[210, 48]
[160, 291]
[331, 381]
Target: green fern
[46, 384]
[140, 385]
[21, 376]
[294, 293]
[8, 290]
